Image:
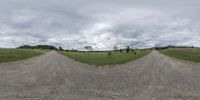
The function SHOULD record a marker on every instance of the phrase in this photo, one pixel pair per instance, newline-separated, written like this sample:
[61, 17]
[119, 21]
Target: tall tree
[88, 48]
[61, 49]
[120, 50]
[127, 49]
[115, 48]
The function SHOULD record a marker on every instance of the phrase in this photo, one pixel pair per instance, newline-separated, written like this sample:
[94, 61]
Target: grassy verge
[190, 54]
[102, 58]
[9, 55]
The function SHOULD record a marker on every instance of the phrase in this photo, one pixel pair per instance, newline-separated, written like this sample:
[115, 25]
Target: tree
[61, 49]
[120, 50]
[127, 49]
[88, 48]
[115, 48]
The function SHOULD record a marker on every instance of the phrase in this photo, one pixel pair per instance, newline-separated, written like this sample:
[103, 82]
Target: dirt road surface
[53, 76]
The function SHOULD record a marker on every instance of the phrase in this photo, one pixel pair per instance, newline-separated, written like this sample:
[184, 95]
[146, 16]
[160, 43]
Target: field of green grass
[101, 58]
[9, 55]
[190, 54]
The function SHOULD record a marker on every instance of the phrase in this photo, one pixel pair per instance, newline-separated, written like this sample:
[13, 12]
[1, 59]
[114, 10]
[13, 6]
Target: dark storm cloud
[100, 23]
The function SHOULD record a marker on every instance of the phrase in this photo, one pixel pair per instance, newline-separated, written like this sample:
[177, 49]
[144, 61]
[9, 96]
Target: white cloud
[75, 24]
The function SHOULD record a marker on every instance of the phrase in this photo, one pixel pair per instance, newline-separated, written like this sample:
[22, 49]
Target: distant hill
[38, 47]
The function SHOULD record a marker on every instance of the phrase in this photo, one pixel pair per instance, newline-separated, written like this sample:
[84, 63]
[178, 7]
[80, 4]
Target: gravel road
[53, 76]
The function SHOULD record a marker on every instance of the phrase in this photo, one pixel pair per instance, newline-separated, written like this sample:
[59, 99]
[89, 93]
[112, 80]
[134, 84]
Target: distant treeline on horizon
[50, 47]
[171, 46]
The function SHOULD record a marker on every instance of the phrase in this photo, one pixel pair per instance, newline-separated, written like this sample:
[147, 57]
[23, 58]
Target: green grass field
[101, 58]
[190, 54]
[9, 55]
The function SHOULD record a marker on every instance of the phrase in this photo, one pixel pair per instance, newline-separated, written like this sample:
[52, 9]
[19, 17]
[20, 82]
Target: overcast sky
[99, 23]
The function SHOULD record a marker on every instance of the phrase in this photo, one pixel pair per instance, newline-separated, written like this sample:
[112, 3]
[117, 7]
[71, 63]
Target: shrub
[109, 53]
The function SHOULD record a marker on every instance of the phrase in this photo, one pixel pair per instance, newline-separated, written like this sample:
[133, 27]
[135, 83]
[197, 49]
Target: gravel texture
[53, 76]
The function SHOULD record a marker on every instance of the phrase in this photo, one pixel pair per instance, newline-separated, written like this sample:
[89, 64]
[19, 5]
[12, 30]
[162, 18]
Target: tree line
[87, 48]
